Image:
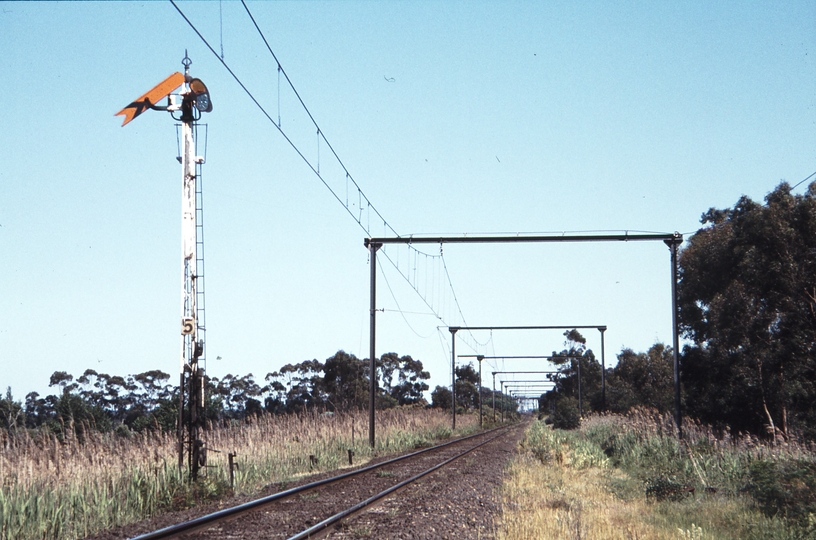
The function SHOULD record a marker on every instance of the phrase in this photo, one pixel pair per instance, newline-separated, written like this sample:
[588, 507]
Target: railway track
[314, 509]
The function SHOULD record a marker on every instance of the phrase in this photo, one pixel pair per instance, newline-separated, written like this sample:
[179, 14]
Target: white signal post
[192, 100]
[191, 348]
[189, 324]
[195, 99]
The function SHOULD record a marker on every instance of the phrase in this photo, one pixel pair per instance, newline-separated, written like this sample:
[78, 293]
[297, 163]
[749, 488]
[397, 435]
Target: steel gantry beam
[580, 397]
[672, 240]
[481, 357]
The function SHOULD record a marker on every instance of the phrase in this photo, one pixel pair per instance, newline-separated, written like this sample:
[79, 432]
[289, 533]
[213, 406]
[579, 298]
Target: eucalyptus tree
[577, 366]
[641, 380]
[411, 376]
[747, 299]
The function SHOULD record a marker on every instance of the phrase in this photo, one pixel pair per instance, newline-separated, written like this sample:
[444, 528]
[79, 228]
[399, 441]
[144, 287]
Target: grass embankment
[629, 477]
[67, 489]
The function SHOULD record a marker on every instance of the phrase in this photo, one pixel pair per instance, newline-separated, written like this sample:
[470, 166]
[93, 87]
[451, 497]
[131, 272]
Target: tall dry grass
[71, 489]
[630, 477]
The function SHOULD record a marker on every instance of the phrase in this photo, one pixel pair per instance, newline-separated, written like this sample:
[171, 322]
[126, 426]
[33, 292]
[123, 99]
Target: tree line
[639, 379]
[747, 308]
[467, 393]
[149, 400]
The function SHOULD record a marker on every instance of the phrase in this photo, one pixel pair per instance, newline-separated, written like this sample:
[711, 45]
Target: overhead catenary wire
[805, 180]
[456, 301]
[221, 26]
[280, 130]
[315, 168]
[399, 309]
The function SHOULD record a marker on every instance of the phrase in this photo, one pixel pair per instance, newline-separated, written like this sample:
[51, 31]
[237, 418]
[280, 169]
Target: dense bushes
[566, 413]
[784, 488]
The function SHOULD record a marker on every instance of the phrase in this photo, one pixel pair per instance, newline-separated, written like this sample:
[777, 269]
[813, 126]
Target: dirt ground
[457, 502]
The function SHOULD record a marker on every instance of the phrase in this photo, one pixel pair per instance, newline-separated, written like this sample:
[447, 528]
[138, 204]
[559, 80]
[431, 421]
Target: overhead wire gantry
[672, 240]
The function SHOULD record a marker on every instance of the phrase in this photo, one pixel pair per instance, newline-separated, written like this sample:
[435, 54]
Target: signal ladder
[199, 266]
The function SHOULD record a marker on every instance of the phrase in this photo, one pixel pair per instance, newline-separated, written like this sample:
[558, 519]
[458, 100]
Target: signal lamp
[202, 95]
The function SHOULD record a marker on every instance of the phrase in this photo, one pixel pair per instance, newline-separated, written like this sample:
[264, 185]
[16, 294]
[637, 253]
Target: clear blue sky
[452, 117]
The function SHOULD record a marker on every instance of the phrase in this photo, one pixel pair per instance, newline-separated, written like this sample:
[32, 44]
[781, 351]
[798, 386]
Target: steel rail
[209, 519]
[314, 529]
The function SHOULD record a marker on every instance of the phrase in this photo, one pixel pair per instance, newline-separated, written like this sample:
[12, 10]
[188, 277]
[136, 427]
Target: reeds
[67, 489]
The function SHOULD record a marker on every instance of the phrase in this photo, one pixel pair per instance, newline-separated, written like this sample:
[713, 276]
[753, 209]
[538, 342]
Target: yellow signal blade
[151, 97]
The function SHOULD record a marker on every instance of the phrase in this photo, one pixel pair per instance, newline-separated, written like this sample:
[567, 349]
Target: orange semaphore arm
[151, 97]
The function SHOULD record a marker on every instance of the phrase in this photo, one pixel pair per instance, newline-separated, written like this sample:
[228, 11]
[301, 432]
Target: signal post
[186, 107]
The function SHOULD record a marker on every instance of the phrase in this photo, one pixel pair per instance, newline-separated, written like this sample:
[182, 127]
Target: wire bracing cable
[402, 313]
[456, 301]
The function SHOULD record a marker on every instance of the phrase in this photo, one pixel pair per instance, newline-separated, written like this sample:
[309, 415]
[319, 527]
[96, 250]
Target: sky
[452, 118]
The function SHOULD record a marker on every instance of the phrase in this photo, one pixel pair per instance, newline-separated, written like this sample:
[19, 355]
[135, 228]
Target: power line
[257, 103]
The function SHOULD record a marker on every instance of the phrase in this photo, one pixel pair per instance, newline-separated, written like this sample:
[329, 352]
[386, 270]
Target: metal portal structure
[186, 107]
[513, 373]
[524, 398]
[536, 357]
[481, 357]
[454, 329]
[518, 386]
[478, 357]
[672, 240]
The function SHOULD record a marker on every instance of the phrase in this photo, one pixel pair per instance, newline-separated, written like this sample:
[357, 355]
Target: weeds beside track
[629, 477]
[67, 489]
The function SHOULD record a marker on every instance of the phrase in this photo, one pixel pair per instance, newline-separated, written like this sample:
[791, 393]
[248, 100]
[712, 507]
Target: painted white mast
[195, 99]
[189, 325]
